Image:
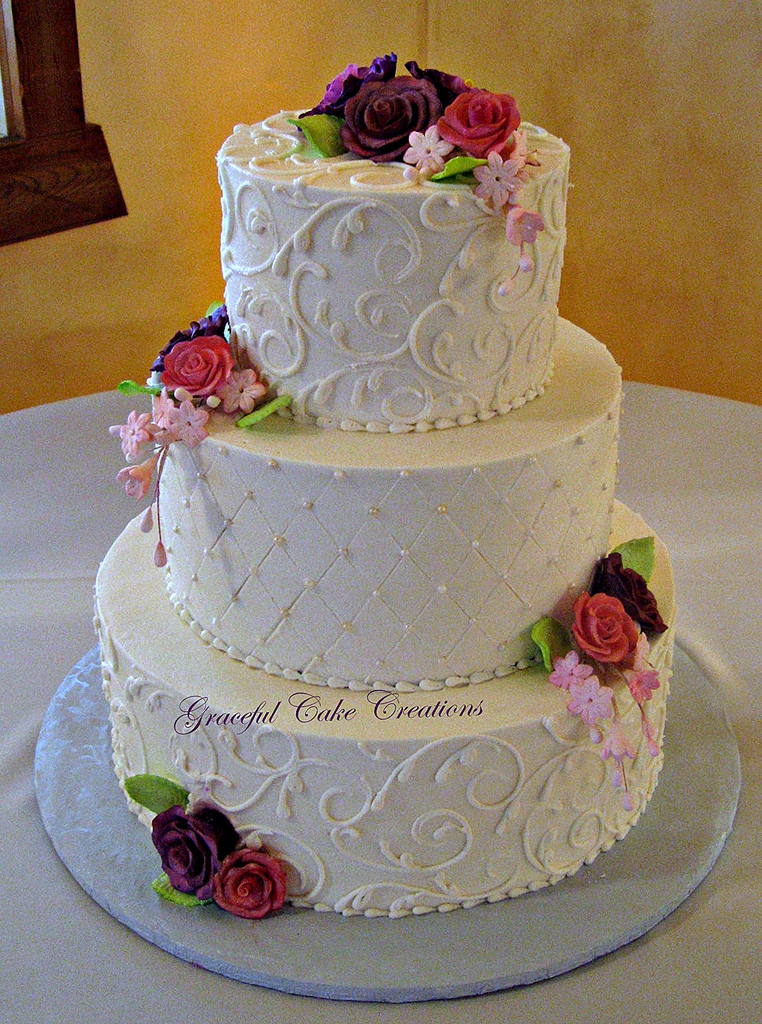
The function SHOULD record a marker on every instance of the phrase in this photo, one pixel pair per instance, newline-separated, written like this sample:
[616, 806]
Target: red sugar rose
[604, 630]
[250, 883]
[480, 122]
[200, 365]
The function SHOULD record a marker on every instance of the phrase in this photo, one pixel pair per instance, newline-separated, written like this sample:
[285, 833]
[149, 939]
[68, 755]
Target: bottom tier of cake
[378, 802]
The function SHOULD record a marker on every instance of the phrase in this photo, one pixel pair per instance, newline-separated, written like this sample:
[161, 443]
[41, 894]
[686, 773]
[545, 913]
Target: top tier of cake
[378, 299]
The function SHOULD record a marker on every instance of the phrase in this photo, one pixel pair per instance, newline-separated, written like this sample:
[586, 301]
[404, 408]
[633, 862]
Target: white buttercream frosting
[388, 815]
[374, 301]
[354, 559]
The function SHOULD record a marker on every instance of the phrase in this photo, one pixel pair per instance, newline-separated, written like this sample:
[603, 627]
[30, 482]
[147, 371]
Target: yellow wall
[659, 100]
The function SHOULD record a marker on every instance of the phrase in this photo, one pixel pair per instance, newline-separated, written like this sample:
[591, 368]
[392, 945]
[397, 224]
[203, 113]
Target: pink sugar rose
[137, 479]
[250, 883]
[199, 365]
[480, 122]
[604, 630]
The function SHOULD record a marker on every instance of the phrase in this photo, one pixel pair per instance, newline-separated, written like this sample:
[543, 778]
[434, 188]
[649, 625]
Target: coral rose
[480, 122]
[250, 884]
[381, 117]
[604, 630]
[200, 365]
[192, 847]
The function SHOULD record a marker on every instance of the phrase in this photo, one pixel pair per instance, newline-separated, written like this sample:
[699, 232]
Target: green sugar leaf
[213, 308]
[553, 640]
[163, 887]
[458, 165]
[638, 555]
[129, 387]
[323, 132]
[155, 793]
[264, 410]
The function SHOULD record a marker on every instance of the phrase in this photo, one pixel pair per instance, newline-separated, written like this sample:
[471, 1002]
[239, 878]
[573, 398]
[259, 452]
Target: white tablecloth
[690, 464]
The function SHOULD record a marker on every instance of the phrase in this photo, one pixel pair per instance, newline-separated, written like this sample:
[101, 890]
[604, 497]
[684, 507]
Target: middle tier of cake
[406, 560]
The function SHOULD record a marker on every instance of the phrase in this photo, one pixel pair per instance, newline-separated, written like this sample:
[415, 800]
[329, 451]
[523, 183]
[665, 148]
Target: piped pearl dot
[279, 540]
[442, 589]
[339, 474]
[194, 578]
[404, 473]
[307, 505]
[346, 626]
[442, 509]
[272, 463]
[186, 502]
[344, 552]
[373, 511]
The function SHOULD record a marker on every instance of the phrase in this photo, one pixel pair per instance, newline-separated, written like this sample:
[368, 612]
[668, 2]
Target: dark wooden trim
[56, 173]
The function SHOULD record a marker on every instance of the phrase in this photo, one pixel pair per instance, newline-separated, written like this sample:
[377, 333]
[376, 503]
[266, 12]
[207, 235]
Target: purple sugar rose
[206, 326]
[447, 86]
[380, 118]
[192, 847]
[629, 587]
[347, 84]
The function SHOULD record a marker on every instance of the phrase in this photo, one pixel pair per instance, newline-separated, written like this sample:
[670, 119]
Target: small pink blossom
[591, 701]
[189, 425]
[649, 734]
[642, 650]
[642, 684]
[164, 410]
[137, 479]
[569, 670]
[616, 745]
[427, 152]
[519, 153]
[499, 181]
[522, 226]
[134, 433]
[241, 391]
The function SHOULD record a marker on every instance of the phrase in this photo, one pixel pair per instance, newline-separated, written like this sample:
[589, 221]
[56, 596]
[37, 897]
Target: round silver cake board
[618, 898]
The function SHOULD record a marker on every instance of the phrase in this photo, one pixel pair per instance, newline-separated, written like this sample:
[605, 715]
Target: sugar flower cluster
[194, 374]
[444, 128]
[204, 858]
[608, 650]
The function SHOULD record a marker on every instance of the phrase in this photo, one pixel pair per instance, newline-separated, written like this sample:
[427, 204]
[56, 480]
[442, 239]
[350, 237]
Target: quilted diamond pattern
[380, 574]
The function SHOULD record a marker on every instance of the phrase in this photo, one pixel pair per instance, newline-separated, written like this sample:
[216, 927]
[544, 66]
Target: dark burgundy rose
[250, 883]
[207, 325]
[380, 118]
[192, 847]
[347, 84]
[612, 578]
[447, 86]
